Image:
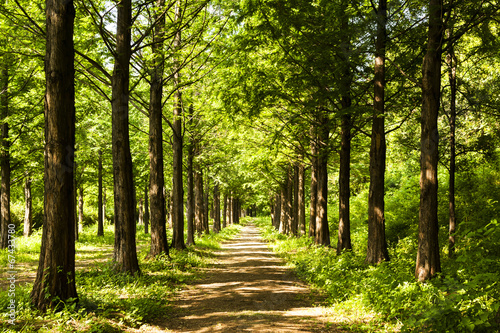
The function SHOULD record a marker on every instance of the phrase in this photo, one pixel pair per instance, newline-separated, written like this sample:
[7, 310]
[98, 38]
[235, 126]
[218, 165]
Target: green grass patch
[464, 298]
[110, 301]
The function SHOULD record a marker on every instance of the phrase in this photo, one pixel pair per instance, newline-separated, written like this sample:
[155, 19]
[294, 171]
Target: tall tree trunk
[289, 202]
[190, 184]
[80, 209]
[199, 207]
[146, 209]
[295, 204]
[216, 209]
[344, 232]
[314, 186]
[75, 197]
[177, 187]
[377, 245]
[452, 77]
[283, 207]
[206, 199]
[100, 212]
[301, 201]
[277, 211]
[428, 259]
[55, 278]
[5, 155]
[125, 252]
[28, 210]
[158, 219]
[322, 228]
[224, 213]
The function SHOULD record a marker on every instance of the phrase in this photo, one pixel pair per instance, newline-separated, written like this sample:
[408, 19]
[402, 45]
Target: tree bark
[158, 219]
[177, 186]
[428, 259]
[55, 278]
[452, 77]
[217, 227]
[314, 186]
[5, 219]
[28, 210]
[146, 209]
[322, 228]
[277, 211]
[80, 209]
[125, 253]
[199, 207]
[295, 204]
[100, 212]
[206, 192]
[301, 201]
[224, 213]
[190, 185]
[377, 246]
[289, 202]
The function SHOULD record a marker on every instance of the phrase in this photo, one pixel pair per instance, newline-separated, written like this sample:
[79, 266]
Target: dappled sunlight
[248, 289]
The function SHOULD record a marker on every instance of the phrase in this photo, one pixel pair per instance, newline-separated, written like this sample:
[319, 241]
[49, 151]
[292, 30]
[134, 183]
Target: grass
[386, 298]
[108, 302]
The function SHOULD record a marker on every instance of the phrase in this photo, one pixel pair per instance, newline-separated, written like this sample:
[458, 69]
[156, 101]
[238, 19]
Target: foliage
[111, 302]
[465, 298]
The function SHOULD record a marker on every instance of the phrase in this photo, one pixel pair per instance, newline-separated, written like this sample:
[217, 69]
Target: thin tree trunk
[216, 209]
[5, 220]
[452, 77]
[313, 187]
[199, 207]
[100, 212]
[28, 210]
[277, 211]
[295, 205]
[206, 199]
[377, 246]
[224, 213]
[190, 185]
[125, 252]
[55, 278]
[80, 209]
[158, 219]
[146, 209]
[428, 258]
[322, 228]
[177, 186]
[301, 201]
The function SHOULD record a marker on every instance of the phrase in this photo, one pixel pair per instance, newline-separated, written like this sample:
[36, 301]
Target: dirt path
[248, 290]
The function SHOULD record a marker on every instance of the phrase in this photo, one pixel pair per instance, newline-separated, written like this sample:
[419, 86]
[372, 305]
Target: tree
[100, 212]
[55, 279]
[125, 254]
[428, 258]
[28, 212]
[377, 246]
[159, 243]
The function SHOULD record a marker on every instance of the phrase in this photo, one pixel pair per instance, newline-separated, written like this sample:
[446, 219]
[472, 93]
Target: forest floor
[248, 289]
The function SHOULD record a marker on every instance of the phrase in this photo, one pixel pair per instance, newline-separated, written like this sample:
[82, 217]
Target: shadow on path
[247, 290]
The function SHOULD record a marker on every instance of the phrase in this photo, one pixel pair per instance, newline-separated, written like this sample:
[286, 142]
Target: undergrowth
[111, 301]
[386, 297]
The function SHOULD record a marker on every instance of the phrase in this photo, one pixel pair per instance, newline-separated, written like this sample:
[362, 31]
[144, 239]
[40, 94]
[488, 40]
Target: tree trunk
[125, 254]
[80, 209]
[216, 209]
[428, 259]
[177, 187]
[5, 155]
[199, 207]
[158, 219]
[28, 211]
[224, 213]
[55, 278]
[206, 192]
[313, 187]
[301, 201]
[141, 212]
[377, 246]
[146, 209]
[289, 202]
[277, 211]
[452, 77]
[190, 185]
[295, 204]
[322, 228]
[100, 212]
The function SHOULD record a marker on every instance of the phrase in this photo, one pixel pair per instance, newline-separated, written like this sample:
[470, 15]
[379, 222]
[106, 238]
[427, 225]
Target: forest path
[249, 289]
